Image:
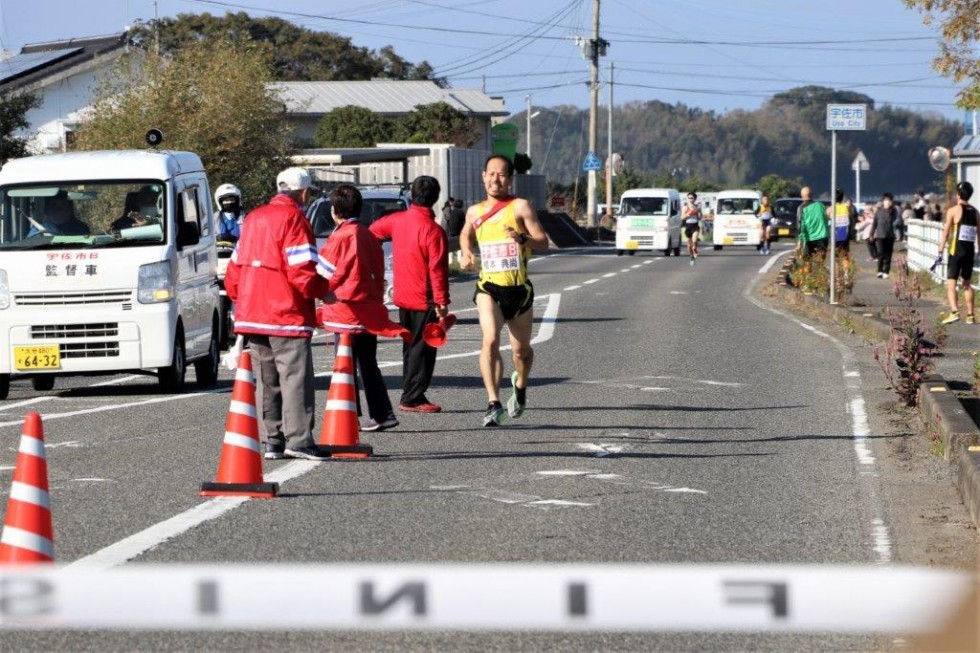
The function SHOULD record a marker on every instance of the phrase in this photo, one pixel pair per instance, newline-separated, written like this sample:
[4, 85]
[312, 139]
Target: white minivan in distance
[107, 264]
[735, 220]
[649, 219]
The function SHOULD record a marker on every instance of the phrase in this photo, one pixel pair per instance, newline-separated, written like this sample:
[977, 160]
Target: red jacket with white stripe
[421, 257]
[272, 276]
[353, 261]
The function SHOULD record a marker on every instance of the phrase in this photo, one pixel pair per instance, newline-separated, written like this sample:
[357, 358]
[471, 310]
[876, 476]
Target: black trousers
[872, 248]
[885, 247]
[364, 346]
[418, 358]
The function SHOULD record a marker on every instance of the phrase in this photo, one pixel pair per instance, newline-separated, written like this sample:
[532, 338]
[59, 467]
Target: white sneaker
[884, 275]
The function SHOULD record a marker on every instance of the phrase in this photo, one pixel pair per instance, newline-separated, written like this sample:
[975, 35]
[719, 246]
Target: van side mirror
[187, 234]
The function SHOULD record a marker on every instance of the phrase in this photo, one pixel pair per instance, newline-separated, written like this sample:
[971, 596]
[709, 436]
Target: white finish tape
[501, 597]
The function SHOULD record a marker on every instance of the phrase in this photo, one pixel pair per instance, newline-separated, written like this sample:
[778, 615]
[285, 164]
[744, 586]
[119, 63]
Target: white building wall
[61, 103]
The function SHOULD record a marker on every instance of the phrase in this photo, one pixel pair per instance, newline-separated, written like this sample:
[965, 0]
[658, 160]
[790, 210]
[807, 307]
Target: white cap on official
[293, 179]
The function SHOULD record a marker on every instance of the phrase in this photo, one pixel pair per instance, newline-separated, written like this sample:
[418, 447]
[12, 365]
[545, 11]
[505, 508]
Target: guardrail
[923, 246]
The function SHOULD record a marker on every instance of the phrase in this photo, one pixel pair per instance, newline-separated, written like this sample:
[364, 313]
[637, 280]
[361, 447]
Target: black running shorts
[512, 300]
[960, 266]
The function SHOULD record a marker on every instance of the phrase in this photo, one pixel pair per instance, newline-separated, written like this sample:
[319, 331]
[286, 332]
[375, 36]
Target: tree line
[785, 140]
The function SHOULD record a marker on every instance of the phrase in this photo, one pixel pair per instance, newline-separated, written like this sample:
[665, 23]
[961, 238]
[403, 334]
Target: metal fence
[923, 246]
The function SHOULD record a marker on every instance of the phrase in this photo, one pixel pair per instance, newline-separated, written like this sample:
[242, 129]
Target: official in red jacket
[353, 261]
[272, 278]
[421, 269]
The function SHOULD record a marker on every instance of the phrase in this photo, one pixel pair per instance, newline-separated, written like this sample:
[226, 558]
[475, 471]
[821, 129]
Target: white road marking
[139, 543]
[608, 275]
[600, 450]
[678, 292]
[638, 265]
[573, 288]
[772, 261]
[130, 404]
[626, 269]
[585, 283]
[647, 262]
[859, 422]
[27, 402]
[90, 480]
[559, 502]
[883, 541]
[74, 444]
[6, 468]
[726, 384]
[565, 472]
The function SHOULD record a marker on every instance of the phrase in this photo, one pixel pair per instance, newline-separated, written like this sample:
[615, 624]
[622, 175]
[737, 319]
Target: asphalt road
[671, 419]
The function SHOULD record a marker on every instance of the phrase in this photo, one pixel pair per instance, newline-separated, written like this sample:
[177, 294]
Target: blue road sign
[591, 163]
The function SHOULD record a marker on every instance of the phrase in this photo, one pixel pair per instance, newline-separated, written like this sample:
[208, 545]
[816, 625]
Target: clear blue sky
[520, 47]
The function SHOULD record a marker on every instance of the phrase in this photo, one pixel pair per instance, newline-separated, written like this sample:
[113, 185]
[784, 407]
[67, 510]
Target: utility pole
[593, 109]
[528, 99]
[609, 152]
[156, 28]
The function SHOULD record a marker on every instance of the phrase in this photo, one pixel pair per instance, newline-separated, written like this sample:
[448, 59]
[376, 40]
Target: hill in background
[786, 136]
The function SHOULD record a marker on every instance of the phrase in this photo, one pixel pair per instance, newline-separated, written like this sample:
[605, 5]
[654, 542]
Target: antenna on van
[154, 138]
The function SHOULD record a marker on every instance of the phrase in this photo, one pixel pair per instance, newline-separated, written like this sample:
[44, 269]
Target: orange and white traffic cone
[28, 536]
[340, 431]
[240, 466]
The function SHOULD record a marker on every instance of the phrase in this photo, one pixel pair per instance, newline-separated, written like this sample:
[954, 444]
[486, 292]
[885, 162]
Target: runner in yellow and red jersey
[507, 230]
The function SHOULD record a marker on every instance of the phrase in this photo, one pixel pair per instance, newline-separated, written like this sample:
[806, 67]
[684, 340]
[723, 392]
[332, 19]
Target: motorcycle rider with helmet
[230, 213]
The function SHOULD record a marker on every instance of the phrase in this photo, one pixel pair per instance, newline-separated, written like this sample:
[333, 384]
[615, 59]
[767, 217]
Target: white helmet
[224, 190]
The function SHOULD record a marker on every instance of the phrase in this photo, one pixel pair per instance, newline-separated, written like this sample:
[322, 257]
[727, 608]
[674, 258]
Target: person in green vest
[812, 219]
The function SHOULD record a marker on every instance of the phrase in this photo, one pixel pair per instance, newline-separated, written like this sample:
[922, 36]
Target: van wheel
[43, 382]
[619, 252]
[171, 378]
[207, 368]
[226, 323]
[718, 248]
[4, 385]
[667, 252]
[632, 252]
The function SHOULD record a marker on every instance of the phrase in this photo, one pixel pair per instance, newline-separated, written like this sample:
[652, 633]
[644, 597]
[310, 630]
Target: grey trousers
[284, 368]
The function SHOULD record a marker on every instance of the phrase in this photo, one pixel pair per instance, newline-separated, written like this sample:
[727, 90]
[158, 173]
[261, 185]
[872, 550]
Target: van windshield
[731, 205]
[82, 214]
[644, 206]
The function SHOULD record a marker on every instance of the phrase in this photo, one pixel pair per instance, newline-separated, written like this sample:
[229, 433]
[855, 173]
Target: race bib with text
[500, 256]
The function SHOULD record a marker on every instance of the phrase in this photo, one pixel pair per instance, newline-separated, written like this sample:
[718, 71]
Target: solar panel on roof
[22, 63]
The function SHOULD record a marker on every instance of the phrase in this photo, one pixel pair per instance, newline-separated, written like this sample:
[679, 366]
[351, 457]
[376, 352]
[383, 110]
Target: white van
[735, 221]
[649, 219]
[107, 264]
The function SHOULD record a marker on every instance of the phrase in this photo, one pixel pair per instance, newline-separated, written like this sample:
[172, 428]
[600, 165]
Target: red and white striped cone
[340, 431]
[28, 536]
[240, 466]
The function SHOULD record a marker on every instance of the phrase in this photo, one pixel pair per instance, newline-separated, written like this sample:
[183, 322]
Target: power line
[516, 43]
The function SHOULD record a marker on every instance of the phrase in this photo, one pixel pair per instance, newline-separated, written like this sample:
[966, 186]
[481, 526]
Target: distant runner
[507, 230]
[765, 215]
[692, 225]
